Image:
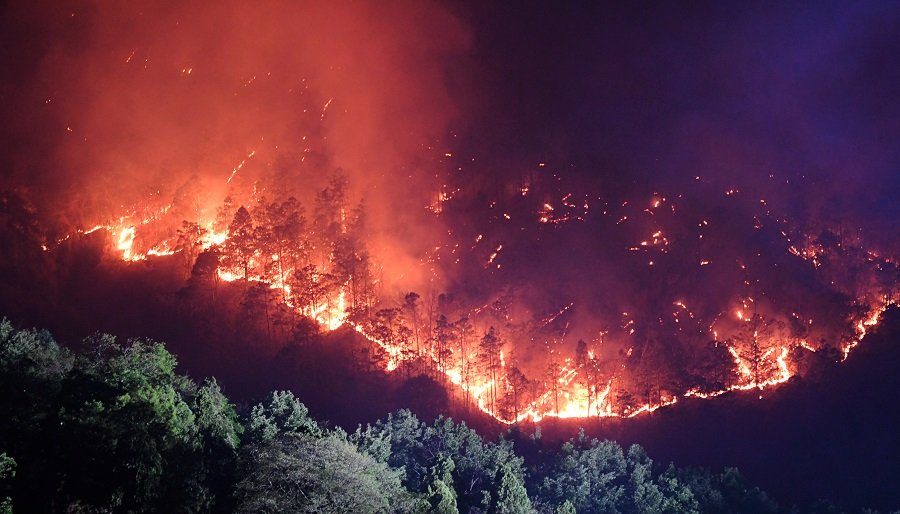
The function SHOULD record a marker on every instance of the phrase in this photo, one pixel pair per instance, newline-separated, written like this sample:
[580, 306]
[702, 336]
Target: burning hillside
[319, 171]
[511, 360]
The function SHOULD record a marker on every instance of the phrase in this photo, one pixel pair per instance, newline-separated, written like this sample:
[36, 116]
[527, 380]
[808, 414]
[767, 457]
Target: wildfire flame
[565, 394]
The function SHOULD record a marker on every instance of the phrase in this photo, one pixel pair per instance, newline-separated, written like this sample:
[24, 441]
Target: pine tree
[188, 242]
[384, 328]
[754, 339]
[310, 288]
[465, 333]
[330, 215]
[255, 305]
[644, 494]
[411, 314]
[508, 495]
[518, 385]
[551, 375]
[440, 492]
[204, 272]
[586, 367]
[281, 238]
[224, 214]
[489, 357]
[443, 339]
[240, 245]
[566, 508]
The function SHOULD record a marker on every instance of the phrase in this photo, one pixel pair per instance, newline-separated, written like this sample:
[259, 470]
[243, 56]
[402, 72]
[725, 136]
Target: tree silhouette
[241, 244]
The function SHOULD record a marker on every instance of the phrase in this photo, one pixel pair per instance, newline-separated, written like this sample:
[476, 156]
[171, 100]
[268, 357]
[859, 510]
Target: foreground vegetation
[114, 428]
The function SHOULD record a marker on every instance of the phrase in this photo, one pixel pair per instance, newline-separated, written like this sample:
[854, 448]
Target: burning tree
[591, 374]
[489, 359]
[411, 316]
[189, 243]
[324, 271]
[443, 340]
[465, 361]
[553, 375]
[517, 388]
[280, 235]
[330, 215]
[241, 243]
[756, 341]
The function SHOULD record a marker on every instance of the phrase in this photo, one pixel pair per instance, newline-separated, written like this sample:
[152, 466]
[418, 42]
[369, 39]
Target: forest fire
[497, 350]
[270, 246]
[449, 256]
[531, 283]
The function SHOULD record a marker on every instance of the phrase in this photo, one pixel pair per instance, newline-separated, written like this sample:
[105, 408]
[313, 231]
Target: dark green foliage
[724, 492]
[126, 410]
[417, 448]
[677, 496]
[32, 353]
[116, 429]
[299, 473]
[643, 495]
[213, 461]
[508, 495]
[565, 508]
[7, 472]
[216, 417]
[439, 489]
[587, 473]
[283, 414]
[596, 477]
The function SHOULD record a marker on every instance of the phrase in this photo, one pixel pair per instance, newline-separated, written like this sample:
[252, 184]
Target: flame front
[759, 353]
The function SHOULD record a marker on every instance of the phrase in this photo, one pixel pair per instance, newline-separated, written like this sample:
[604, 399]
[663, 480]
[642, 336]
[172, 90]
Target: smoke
[633, 176]
[113, 106]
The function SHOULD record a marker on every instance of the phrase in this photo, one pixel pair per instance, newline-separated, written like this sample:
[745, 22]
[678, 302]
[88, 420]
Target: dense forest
[114, 427]
[268, 275]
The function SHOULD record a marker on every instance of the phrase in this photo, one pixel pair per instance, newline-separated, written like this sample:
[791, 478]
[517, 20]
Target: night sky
[663, 91]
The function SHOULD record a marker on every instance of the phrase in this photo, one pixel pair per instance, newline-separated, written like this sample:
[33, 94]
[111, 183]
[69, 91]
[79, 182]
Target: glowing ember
[326, 274]
[761, 359]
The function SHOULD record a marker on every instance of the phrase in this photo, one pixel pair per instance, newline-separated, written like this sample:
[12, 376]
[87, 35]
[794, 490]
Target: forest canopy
[115, 428]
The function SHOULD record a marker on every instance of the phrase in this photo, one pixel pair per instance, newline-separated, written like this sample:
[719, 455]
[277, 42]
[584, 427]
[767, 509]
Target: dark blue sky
[661, 92]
